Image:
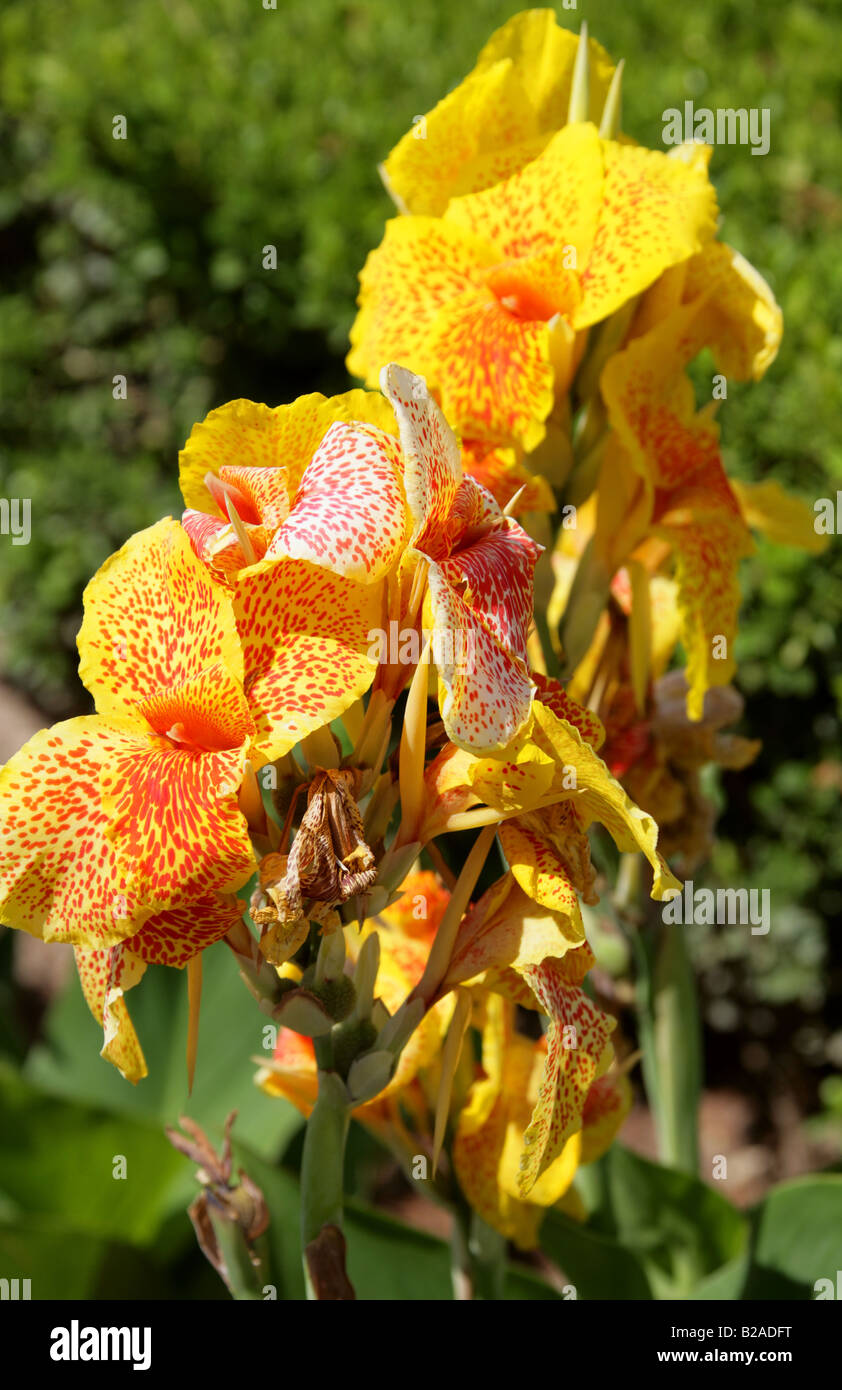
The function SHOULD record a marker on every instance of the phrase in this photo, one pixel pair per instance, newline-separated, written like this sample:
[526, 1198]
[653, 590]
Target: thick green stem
[241, 1275]
[323, 1162]
[670, 1039]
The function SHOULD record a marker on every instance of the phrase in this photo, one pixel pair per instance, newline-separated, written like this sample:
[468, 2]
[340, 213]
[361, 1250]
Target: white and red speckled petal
[432, 460]
[487, 690]
[60, 877]
[153, 617]
[306, 634]
[105, 975]
[495, 577]
[579, 1051]
[349, 514]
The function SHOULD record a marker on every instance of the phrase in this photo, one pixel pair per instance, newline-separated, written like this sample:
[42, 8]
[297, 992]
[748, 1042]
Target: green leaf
[231, 1033]
[58, 1160]
[797, 1239]
[597, 1265]
[681, 1230]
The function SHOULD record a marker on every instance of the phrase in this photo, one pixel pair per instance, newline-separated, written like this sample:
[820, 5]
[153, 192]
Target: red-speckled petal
[421, 264]
[266, 489]
[578, 1053]
[500, 473]
[655, 212]
[59, 873]
[495, 578]
[306, 634]
[215, 543]
[174, 818]
[153, 618]
[432, 460]
[552, 694]
[105, 976]
[553, 201]
[244, 434]
[486, 689]
[174, 937]
[349, 514]
[493, 371]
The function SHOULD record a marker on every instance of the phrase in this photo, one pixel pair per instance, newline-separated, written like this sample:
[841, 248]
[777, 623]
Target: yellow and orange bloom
[490, 300]
[499, 118]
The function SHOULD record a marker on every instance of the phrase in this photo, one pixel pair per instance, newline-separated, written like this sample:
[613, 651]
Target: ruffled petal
[105, 975]
[307, 634]
[60, 875]
[153, 619]
[349, 513]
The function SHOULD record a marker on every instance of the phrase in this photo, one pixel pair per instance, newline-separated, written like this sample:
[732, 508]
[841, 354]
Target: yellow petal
[784, 518]
[105, 975]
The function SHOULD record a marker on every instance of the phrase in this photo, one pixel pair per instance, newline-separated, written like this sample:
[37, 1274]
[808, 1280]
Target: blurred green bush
[249, 127]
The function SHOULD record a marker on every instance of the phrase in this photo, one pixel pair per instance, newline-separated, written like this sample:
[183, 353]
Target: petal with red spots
[105, 975]
[579, 1051]
[60, 876]
[432, 460]
[307, 636]
[349, 513]
[153, 618]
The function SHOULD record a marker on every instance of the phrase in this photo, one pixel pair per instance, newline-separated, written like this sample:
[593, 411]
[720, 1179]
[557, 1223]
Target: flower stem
[323, 1163]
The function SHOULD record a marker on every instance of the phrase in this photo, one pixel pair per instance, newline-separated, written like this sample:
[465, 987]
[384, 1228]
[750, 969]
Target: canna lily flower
[491, 299]
[499, 118]
[122, 832]
[322, 521]
[662, 478]
[318, 481]
[488, 1139]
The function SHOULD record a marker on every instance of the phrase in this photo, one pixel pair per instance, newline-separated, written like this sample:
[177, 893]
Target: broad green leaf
[682, 1229]
[797, 1239]
[63, 1161]
[597, 1265]
[232, 1031]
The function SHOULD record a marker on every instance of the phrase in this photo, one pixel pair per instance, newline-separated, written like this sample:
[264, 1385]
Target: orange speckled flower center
[535, 288]
[206, 714]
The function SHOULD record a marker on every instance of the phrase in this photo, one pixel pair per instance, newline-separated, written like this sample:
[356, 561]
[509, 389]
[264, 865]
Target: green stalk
[323, 1162]
[670, 1038]
[242, 1276]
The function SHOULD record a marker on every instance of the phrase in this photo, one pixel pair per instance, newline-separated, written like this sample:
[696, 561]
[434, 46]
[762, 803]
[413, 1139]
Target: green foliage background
[248, 127]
